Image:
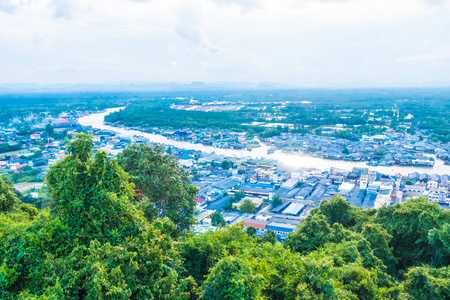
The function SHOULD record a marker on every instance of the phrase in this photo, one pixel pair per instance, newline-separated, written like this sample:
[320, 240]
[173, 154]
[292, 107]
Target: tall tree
[8, 198]
[412, 223]
[218, 219]
[91, 194]
[269, 236]
[276, 200]
[425, 283]
[337, 210]
[233, 278]
[162, 181]
[247, 206]
[226, 164]
[49, 130]
[312, 233]
[440, 240]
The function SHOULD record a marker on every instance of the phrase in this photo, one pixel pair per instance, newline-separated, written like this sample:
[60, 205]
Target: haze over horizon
[307, 43]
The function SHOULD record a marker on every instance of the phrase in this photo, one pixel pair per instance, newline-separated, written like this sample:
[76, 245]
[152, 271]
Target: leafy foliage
[276, 200]
[91, 195]
[218, 219]
[269, 236]
[415, 223]
[8, 198]
[427, 283]
[233, 278]
[94, 243]
[247, 206]
[160, 180]
[226, 164]
[337, 210]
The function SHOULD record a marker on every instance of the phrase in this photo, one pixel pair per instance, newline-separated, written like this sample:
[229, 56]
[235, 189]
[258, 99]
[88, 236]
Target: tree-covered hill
[110, 234]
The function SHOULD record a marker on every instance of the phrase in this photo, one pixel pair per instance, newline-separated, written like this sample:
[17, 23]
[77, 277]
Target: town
[261, 193]
[391, 148]
[381, 139]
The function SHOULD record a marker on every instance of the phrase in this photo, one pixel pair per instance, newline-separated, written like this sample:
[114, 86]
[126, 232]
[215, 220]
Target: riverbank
[289, 160]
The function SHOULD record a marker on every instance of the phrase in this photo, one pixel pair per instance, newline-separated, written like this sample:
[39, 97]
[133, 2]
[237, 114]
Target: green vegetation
[90, 195]
[7, 149]
[24, 175]
[235, 198]
[94, 242]
[313, 149]
[381, 152]
[226, 164]
[7, 197]
[360, 111]
[251, 231]
[19, 106]
[276, 200]
[159, 114]
[247, 206]
[161, 185]
[218, 219]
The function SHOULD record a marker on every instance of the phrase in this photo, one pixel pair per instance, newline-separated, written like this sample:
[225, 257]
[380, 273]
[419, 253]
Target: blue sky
[304, 43]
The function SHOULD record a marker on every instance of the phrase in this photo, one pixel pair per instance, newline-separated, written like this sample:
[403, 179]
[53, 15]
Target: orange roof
[256, 224]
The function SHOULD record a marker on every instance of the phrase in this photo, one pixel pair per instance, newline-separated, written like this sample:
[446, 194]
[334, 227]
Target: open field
[25, 186]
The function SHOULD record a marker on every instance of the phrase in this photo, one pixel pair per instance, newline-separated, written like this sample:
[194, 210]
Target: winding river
[291, 161]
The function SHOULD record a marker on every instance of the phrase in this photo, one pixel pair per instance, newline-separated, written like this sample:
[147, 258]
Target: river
[291, 161]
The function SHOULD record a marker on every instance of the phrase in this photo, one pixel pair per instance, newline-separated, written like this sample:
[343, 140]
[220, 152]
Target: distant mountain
[128, 87]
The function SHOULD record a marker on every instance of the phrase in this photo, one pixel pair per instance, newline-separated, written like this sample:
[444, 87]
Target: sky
[301, 43]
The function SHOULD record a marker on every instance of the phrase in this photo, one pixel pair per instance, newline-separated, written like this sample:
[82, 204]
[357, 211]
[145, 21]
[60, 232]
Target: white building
[384, 197]
[432, 185]
[276, 177]
[363, 181]
[291, 183]
[295, 174]
[346, 188]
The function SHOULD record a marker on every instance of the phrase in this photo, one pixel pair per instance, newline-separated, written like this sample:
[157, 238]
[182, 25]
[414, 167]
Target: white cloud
[438, 55]
[312, 42]
[63, 8]
[7, 6]
[246, 5]
[189, 24]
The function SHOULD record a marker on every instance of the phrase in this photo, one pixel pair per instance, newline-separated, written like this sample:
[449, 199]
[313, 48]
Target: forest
[306, 109]
[361, 111]
[119, 229]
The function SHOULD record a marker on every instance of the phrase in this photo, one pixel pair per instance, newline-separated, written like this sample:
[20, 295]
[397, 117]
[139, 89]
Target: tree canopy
[7, 197]
[161, 183]
[276, 200]
[95, 243]
[91, 195]
[247, 206]
[218, 219]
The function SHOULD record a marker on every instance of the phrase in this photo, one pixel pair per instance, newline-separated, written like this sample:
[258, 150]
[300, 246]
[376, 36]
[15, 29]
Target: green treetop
[218, 219]
[7, 197]
[161, 181]
[276, 200]
[247, 206]
[91, 194]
